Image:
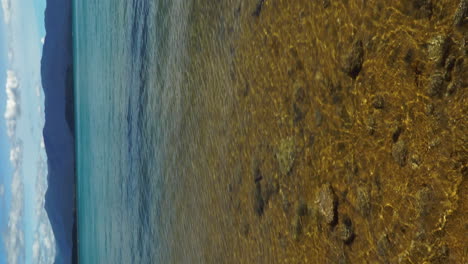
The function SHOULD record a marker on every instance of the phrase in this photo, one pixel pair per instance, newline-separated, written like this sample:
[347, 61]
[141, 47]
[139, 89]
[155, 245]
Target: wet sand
[324, 132]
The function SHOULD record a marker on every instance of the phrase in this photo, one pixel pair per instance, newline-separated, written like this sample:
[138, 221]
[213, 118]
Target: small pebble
[430, 109]
[415, 161]
[378, 102]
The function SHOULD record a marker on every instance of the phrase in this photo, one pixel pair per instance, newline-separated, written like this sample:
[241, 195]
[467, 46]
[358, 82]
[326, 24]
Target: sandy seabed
[325, 132]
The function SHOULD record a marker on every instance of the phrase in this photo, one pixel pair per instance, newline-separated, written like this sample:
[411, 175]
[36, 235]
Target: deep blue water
[124, 52]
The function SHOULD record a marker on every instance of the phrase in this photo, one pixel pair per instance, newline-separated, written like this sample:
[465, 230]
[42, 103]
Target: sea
[144, 107]
[129, 60]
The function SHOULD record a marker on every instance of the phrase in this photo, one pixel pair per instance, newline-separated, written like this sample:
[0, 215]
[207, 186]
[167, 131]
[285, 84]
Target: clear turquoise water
[129, 58]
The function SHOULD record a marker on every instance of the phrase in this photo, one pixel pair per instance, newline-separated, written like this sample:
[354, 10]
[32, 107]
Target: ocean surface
[129, 58]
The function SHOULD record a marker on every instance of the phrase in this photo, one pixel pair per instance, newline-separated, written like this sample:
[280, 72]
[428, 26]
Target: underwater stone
[327, 203]
[318, 118]
[300, 104]
[258, 8]
[245, 229]
[450, 63]
[256, 171]
[400, 152]
[415, 161]
[436, 84]
[371, 124]
[302, 209]
[296, 227]
[437, 49]
[396, 132]
[425, 199]
[424, 7]
[259, 203]
[452, 88]
[461, 13]
[383, 245]
[345, 230]
[353, 61]
[286, 155]
[429, 109]
[363, 200]
[378, 102]
[270, 189]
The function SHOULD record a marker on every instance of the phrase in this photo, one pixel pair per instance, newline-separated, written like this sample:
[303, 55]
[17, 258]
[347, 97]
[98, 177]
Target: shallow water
[206, 132]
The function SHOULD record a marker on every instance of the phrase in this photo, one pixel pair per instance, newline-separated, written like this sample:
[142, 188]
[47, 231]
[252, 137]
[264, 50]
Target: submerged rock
[318, 117]
[259, 203]
[302, 209]
[345, 230]
[327, 203]
[378, 102]
[363, 200]
[425, 199]
[299, 218]
[396, 132]
[450, 63]
[256, 171]
[370, 125]
[429, 109]
[285, 203]
[270, 189]
[258, 8]
[286, 155]
[419, 8]
[400, 152]
[300, 105]
[297, 227]
[453, 87]
[415, 161]
[461, 13]
[353, 61]
[383, 246]
[436, 84]
[438, 49]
